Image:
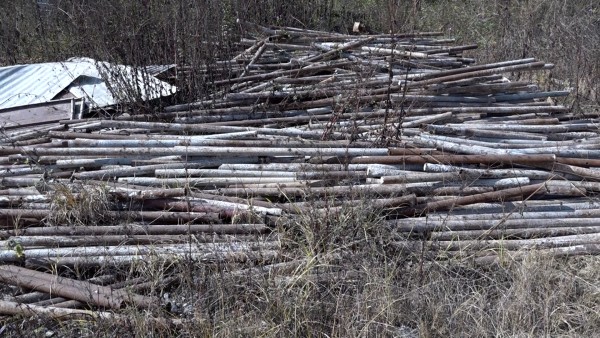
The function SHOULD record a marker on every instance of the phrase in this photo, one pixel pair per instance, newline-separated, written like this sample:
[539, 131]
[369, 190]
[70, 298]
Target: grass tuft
[78, 204]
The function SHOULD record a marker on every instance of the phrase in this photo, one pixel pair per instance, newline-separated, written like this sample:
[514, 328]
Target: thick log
[72, 289]
[131, 250]
[28, 310]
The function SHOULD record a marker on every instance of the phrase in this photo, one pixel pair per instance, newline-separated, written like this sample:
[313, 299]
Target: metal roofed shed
[37, 93]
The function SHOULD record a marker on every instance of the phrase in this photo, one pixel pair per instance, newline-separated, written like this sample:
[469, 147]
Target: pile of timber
[460, 161]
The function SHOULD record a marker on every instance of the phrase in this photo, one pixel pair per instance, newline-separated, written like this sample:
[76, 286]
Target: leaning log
[72, 289]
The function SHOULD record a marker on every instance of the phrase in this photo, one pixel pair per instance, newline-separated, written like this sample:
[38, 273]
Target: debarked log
[458, 159]
[493, 257]
[204, 257]
[212, 151]
[202, 141]
[72, 289]
[28, 310]
[518, 244]
[137, 229]
[494, 196]
[448, 72]
[519, 213]
[424, 225]
[223, 173]
[388, 204]
[73, 241]
[139, 250]
[206, 182]
[223, 208]
[365, 189]
[166, 216]
[507, 234]
[488, 173]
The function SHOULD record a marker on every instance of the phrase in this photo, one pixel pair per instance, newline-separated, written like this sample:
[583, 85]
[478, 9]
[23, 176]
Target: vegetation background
[198, 32]
[380, 293]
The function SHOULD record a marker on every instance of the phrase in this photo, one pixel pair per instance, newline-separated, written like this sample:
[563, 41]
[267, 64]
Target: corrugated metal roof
[155, 70]
[23, 85]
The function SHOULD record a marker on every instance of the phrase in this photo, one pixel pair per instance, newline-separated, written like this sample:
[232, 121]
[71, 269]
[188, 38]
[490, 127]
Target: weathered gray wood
[510, 234]
[400, 124]
[422, 225]
[211, 151]
[457, 159]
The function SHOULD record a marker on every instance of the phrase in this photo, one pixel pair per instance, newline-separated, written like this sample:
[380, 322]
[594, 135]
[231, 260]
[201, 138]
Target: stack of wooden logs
[460, 160]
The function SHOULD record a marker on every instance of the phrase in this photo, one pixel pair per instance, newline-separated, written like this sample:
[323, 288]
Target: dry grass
[344, 278]
[78, 204]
